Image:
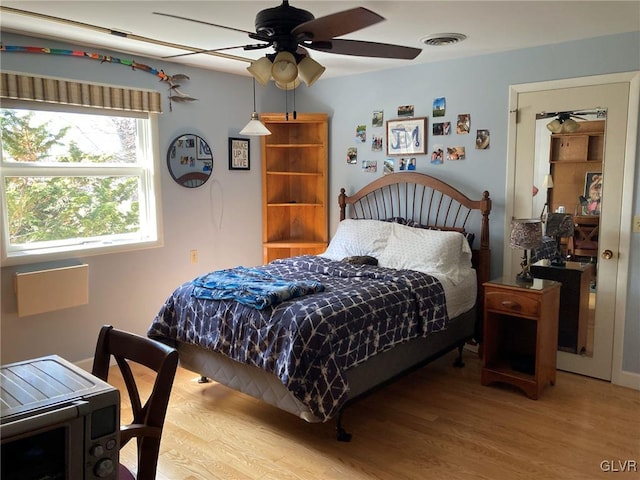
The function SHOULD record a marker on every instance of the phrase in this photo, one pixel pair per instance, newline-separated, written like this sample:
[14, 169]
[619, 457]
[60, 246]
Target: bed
[342, 326]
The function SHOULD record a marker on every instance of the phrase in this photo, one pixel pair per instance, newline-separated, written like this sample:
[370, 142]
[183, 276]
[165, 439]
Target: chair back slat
[148, 417]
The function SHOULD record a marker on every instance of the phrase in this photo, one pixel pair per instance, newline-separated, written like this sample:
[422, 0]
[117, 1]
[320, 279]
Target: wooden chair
[585, 236]
[193, 179]
[148, 419]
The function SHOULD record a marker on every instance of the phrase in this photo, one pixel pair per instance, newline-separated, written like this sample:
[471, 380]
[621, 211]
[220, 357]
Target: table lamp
[526, 233]
[559, 225]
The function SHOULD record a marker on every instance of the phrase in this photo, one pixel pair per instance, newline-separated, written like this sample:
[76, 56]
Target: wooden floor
[436, 423]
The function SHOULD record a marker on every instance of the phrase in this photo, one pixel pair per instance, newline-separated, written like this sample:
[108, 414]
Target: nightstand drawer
[513, 303]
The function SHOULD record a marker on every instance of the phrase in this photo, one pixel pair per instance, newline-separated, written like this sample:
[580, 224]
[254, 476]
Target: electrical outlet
[636, 224]
[193, 256]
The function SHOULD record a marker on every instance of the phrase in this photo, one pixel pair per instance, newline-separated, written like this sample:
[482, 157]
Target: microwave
[57, 422]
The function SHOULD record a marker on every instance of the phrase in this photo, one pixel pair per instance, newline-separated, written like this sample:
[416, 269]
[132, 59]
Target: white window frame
[150, 235]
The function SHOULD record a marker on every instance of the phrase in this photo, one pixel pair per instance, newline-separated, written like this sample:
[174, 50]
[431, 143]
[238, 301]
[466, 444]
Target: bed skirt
[375, 372]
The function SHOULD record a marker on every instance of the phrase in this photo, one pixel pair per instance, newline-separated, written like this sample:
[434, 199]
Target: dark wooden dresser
[576, 279]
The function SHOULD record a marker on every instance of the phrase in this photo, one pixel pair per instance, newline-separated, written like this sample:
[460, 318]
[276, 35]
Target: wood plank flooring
[436, 423]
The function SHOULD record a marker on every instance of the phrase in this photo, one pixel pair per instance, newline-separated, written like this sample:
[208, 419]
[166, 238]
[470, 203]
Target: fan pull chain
[295, 114]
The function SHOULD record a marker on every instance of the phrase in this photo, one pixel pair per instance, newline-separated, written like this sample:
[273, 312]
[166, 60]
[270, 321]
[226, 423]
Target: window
[75, 180]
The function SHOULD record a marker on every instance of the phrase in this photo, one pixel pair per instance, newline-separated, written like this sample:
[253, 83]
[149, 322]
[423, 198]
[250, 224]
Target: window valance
[18, 86]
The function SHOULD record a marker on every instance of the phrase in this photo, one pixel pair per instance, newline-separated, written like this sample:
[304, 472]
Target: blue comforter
[310, 341]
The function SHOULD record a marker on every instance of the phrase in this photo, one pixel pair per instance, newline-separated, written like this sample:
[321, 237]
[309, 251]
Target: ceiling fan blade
[336, 24]
[365, 49]
[543, 115]
[245, 47]
[202, 22]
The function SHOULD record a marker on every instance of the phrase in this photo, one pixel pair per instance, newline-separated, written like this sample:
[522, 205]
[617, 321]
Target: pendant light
[255, 127]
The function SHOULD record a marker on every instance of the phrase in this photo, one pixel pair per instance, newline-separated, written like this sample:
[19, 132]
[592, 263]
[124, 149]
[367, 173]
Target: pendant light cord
[254, 94]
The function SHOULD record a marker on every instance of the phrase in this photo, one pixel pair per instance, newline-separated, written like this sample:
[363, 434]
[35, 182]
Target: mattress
[458, 296]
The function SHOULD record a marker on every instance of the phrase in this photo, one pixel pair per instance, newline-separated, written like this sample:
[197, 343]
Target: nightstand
[520, 333]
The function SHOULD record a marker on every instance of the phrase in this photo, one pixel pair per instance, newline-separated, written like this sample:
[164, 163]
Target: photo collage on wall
[404, 139]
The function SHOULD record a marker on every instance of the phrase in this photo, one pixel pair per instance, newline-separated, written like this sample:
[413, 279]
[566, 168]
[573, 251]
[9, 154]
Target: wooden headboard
[428, 202]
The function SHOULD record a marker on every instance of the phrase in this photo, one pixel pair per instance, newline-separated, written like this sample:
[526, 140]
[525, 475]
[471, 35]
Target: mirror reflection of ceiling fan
[290, 31]
[564, 121]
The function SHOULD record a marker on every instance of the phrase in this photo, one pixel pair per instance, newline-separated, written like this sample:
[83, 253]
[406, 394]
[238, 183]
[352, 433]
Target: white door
[611, 286]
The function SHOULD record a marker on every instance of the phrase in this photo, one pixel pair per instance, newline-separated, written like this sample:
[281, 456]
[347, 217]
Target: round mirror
[190, 160]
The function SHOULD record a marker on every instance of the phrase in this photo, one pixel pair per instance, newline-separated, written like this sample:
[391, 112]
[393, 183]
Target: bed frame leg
[341, 434]
[203, 379]
[458, 362]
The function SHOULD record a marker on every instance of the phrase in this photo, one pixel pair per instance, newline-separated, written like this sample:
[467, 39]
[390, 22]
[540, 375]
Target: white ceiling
[490, 27]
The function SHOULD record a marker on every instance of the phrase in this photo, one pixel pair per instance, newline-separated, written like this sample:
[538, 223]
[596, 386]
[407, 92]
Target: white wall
[128, 289]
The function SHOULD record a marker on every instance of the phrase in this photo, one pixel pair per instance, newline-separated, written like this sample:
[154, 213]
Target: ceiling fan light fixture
[554, 126]
[284, 69]
[570, 126]
[309, 70]
[289, 85]
[261, 70]
[563, 123]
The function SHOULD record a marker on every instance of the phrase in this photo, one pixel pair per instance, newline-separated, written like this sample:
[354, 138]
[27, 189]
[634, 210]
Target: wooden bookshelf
[294, 185]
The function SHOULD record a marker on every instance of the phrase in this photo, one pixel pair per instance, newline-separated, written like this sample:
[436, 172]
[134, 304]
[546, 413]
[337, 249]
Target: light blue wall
[223, 219]
[478, 86]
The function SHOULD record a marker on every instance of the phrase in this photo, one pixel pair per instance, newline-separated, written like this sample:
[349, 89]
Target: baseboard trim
[627, 379]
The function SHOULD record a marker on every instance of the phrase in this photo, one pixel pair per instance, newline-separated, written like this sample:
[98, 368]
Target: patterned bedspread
[309, 341]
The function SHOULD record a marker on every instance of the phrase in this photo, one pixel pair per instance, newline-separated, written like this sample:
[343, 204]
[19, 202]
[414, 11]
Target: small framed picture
[407, 136]
[204, 151]
[593, 193]
[239, 154]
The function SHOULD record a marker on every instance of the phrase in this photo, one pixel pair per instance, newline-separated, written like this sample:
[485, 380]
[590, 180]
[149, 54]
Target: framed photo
[407, 136]
[239, 154]
[593, 193]
[204, 151]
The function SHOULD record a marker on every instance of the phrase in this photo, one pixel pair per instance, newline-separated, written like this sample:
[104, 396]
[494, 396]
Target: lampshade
[560, 225]
[554, 126]
[526, 233]
[255, 127]
[309, 70]
[261, 70]
[547, 182]
[288, 86]
[570, 126]
[284, 69]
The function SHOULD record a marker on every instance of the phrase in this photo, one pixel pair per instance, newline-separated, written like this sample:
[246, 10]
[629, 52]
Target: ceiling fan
[290, 31]
[566, 115]
[564, 121]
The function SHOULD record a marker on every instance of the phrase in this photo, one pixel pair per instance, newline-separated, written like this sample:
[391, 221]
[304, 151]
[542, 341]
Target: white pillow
[358, 237]
[428, 251]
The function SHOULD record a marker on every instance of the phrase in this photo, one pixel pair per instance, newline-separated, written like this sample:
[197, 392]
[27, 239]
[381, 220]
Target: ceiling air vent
[442, 39]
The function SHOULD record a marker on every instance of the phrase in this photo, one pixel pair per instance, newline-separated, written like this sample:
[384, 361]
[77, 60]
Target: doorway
[617, 94]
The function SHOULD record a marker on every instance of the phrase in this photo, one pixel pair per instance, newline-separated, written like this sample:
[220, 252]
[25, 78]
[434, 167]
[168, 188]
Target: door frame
[618, 375]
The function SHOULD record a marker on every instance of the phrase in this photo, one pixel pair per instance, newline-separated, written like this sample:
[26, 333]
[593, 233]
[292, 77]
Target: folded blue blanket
[251, 287]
